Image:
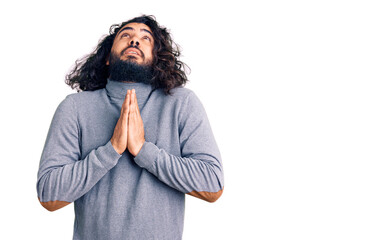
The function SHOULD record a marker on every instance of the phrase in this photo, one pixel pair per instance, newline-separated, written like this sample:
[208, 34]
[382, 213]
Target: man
[132, 142]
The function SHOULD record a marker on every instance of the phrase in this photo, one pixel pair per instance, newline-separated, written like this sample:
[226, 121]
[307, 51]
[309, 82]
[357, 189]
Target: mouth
[132, 51]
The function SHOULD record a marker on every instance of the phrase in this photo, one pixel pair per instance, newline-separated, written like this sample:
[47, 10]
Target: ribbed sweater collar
[117, 91]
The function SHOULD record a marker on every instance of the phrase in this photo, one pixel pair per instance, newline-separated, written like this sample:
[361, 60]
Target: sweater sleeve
[198, 171]
[63, 176]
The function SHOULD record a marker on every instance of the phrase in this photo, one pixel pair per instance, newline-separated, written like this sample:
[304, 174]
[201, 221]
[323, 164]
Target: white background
[297, 93]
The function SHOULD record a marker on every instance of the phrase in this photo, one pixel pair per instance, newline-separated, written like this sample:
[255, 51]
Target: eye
[147, 38]
[124, 35]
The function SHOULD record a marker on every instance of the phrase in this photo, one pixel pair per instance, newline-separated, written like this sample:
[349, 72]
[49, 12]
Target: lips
[132, 51]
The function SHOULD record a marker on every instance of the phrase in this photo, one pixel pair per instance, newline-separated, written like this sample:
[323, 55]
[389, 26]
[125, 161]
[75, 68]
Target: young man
[132, 142]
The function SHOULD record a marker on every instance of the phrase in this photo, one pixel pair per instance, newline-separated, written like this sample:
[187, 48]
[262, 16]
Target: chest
[160, 121]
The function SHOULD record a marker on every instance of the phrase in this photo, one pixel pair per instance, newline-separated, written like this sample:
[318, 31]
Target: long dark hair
[91, 72]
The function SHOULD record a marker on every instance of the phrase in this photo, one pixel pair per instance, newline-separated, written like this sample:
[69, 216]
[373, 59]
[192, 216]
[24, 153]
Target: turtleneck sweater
[123, 196]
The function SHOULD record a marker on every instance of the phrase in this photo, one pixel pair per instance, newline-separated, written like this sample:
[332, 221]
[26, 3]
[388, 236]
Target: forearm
[200, 175]
[60, 183]
[197, 171]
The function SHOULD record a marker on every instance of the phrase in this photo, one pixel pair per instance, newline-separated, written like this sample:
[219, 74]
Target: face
[134, 42]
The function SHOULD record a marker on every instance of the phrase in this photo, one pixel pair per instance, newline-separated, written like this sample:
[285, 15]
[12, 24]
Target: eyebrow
[130, 28]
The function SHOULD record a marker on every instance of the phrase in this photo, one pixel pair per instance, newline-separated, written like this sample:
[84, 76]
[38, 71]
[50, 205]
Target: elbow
[52, 206]
[214, 196]
[210, 197]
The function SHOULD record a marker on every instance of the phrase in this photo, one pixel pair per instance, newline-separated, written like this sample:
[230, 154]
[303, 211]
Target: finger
[137, 108]
[125, 109]
[135, 103]
[125, 105]
[133, 119]
[132, 102]
[135, 98]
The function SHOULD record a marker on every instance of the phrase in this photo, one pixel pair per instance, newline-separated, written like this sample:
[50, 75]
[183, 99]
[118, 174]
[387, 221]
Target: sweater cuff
[147, 156]
[107, 155]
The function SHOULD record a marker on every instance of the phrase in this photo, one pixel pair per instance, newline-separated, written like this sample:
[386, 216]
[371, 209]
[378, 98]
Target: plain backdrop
[297, 93]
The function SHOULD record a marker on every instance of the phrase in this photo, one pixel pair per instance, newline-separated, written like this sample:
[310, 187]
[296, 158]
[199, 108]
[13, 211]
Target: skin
[134, 42]
[129, 131]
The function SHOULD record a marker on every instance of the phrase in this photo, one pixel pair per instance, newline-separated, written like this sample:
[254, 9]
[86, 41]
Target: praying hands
[129, 131]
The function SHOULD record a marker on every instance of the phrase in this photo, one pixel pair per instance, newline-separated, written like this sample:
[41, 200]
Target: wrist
[115, 147]
[137, 149]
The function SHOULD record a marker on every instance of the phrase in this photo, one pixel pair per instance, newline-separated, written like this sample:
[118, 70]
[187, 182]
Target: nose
[134, 43]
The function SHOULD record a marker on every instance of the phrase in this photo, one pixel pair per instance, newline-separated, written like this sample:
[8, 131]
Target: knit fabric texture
[120, 196]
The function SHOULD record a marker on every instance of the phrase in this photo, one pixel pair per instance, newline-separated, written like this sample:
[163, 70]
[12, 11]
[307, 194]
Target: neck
[116, 90]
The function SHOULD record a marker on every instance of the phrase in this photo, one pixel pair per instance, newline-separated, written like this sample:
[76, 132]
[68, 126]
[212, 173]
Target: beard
[129, 71]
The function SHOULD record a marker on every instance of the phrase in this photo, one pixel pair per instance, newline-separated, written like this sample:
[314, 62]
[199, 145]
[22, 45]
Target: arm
[63, 176]
[198, 171]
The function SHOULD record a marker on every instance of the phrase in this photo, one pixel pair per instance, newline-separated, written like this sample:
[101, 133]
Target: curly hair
[91, 72]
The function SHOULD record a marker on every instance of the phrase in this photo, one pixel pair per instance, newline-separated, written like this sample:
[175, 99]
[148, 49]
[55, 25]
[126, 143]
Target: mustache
[136, 47]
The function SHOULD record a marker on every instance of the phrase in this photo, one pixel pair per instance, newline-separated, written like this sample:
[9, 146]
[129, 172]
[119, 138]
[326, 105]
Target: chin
[130, 59]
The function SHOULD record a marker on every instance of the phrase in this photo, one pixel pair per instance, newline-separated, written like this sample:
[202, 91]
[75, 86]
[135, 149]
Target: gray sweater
[120, 196]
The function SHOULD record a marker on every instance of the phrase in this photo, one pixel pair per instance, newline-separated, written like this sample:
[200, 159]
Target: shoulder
[188, 102]
[82, 97]
[187, 96]
[181, 98]
[181, 94]
[76, 102]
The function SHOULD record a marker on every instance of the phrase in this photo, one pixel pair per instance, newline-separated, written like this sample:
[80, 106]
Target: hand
[135, 126]
[120, 135]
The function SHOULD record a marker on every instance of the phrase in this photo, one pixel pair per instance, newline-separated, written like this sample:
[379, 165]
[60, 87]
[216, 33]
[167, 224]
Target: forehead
[138, 27]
